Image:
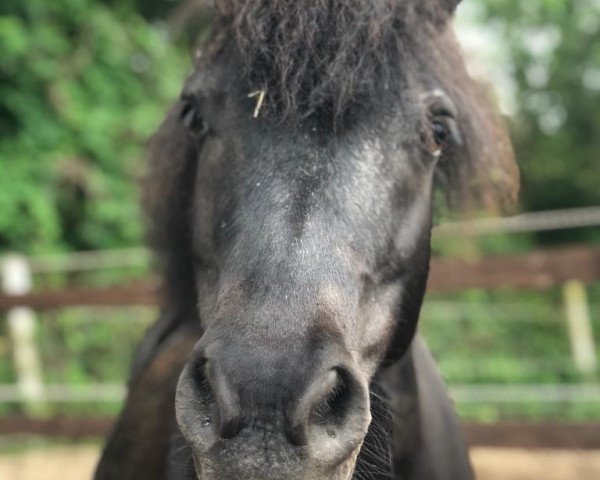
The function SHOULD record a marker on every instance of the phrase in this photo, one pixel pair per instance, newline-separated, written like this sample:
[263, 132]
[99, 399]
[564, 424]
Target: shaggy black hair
[326, 55]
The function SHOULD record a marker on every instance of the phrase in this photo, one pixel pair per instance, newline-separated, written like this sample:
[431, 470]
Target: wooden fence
[537, 270]
[566, 267]
[572, 436]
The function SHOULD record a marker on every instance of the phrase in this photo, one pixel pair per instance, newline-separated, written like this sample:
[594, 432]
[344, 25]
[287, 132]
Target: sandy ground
[77, 463]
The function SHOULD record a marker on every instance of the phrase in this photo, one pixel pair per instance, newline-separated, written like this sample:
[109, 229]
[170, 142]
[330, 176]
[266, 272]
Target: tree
[82, 86]
[555, 50]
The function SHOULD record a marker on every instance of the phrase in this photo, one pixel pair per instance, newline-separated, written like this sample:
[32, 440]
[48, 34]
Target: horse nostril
[217, 399]
[328, 403]
[227, 403]
[333, 406]
[199, 377]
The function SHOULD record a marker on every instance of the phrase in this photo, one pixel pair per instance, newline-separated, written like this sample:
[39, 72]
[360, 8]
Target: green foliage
[79, 347]
[82, 346]
[554, 48]
[82, 86]
[508, 337]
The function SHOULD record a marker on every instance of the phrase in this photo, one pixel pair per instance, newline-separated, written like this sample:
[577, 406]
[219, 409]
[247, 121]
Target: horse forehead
[315, 217]
[303, 175]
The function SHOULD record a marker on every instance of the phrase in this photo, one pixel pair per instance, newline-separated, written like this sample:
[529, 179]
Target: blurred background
[83, 83]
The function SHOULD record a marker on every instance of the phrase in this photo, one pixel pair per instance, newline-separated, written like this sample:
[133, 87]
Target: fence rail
[141, 293]
[573, 436]
[538, 270]
[461, 394]
[526, 222]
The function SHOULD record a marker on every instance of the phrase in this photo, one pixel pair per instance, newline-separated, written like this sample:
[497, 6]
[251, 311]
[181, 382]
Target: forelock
[326, 55]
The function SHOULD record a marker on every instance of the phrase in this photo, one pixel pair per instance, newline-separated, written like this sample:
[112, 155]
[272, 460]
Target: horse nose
[214, 389]
[330, 400]
[300, 406]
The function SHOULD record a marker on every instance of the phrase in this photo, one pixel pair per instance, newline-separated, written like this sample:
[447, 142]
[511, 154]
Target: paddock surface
[76, 463]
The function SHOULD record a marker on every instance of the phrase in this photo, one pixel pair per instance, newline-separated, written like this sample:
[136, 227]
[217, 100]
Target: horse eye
[441, 133]
[191, 118]
[445, 133]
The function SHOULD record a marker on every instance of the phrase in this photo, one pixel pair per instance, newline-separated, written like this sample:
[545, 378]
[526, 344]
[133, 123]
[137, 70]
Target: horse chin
[343, 472]
[207, 469]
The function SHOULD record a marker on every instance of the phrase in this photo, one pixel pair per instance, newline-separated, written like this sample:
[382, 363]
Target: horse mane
[481, 173]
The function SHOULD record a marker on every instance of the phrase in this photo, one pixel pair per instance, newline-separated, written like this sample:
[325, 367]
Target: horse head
[291, 196]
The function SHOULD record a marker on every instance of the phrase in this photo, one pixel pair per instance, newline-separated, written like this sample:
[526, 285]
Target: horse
[291, 191]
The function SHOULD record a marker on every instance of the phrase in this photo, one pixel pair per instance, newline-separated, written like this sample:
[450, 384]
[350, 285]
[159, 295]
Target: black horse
[291, 194]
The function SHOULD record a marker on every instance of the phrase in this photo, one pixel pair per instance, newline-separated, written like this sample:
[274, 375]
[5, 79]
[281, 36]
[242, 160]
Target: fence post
[22, 326]
[580, 327]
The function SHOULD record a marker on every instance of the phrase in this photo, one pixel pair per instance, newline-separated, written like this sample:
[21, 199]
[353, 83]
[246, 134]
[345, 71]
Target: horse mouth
[267, 456]
[247, 469]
